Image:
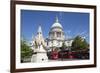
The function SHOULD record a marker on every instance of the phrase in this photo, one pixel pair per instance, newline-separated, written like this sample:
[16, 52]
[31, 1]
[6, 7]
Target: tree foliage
[63, 46]
[26, 51]
[79, 44]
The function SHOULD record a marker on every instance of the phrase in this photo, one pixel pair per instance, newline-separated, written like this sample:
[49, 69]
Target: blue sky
[74, 23]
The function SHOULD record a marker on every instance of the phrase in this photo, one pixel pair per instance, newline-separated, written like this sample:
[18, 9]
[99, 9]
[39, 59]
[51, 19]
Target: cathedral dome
[56, 24]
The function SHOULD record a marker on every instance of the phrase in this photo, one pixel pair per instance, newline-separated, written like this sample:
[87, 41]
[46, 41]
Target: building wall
[58, 43]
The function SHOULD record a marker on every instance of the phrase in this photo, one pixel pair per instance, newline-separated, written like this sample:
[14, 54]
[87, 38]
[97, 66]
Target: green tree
[26, 51]
[63, 46]
[79, 44]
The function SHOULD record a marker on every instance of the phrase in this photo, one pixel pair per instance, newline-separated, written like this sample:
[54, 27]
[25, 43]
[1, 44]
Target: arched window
[58, 34]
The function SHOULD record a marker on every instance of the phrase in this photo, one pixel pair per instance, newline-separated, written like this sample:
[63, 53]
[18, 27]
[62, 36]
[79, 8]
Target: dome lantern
[57, 19]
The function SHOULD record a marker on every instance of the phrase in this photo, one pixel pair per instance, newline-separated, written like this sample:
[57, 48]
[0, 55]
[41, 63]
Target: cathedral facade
[56, 37]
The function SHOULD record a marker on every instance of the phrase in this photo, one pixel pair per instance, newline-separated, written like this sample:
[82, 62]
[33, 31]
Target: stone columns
[55, 34]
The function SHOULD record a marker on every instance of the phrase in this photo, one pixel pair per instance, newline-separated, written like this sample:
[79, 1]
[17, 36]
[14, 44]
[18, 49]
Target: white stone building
[56, 37]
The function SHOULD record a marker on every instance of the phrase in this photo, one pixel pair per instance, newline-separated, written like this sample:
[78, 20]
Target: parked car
[72, 55]
[54, 55]
[63, 54]
[67, 55]
[82, 55]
